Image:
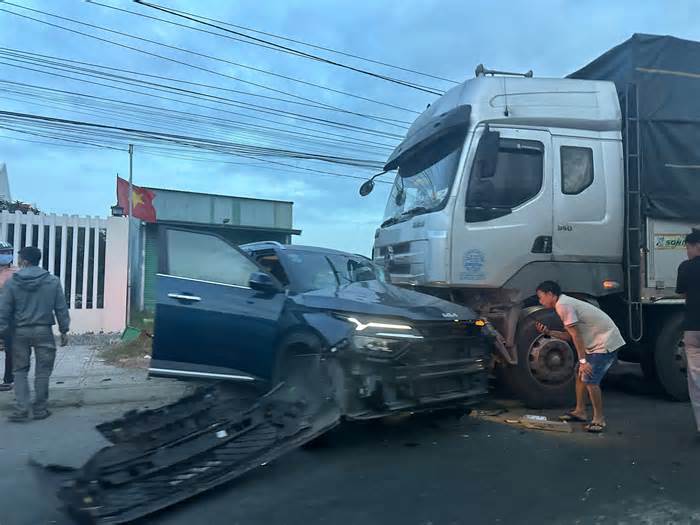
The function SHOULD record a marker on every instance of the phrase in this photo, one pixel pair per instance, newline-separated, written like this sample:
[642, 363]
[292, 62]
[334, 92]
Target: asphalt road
[421, 470]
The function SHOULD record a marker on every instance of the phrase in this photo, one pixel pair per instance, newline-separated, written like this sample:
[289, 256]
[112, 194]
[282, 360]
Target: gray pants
[692, 353]
[41, 339]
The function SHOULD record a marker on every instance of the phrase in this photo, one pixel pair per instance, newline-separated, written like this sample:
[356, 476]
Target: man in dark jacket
[28, 303]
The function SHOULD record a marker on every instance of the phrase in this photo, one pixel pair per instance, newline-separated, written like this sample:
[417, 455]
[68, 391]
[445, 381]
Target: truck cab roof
[550, 102]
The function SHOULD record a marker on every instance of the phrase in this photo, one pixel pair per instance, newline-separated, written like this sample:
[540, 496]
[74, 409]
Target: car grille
[445, 341]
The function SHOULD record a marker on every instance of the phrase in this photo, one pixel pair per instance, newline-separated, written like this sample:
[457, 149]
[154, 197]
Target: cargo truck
[592, 180]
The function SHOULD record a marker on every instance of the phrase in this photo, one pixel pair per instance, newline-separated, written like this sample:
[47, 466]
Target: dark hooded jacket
[31, 298]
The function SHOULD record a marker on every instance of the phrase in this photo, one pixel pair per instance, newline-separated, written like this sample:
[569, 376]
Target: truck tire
[545, 374]
[670, 360]
[646, 362]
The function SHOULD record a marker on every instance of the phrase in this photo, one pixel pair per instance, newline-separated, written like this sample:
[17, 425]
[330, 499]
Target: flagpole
[129, 251]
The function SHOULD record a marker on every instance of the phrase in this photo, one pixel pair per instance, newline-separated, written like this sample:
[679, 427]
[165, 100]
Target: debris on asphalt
[161, 457]
[587, 494]
[489, 413]
[545, 424]
[529, 421]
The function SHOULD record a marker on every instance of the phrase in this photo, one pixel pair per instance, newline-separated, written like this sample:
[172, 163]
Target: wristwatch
[582, 361]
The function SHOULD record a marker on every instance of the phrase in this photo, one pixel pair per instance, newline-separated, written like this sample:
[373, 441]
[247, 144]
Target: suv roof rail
[262, 244]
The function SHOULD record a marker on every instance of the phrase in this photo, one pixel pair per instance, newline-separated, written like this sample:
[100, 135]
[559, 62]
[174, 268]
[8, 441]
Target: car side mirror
[262, 282]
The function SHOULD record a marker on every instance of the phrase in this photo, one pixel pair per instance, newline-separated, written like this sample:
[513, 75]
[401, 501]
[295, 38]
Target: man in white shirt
[596, 339]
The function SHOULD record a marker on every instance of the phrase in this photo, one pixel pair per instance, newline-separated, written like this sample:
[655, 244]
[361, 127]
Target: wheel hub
[680, 360]
[551, 360]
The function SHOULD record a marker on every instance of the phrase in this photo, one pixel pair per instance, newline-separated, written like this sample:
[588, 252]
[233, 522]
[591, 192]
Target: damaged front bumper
[161, 457]
[446, 368]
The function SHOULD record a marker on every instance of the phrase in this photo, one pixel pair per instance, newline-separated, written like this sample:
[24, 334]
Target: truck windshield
[424, 180]
[317, 270]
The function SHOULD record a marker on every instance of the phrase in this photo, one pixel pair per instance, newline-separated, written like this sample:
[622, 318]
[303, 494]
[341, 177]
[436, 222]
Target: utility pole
[129, 240]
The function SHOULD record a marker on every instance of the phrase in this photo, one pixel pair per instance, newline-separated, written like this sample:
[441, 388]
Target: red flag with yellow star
[142, 203]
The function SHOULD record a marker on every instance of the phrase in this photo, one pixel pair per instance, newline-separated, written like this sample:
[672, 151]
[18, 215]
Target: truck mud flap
[164, 456]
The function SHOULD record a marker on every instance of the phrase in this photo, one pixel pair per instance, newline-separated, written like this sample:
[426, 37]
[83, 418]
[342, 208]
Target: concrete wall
[185, 207]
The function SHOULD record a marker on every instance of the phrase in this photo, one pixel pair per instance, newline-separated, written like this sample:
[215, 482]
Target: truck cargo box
[665, 72]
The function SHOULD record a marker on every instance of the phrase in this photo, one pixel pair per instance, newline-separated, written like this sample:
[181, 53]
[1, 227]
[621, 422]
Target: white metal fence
[88, 254]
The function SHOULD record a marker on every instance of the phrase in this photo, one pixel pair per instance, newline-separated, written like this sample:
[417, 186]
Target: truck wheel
[544, 376]
[670, 360]
[646, 362]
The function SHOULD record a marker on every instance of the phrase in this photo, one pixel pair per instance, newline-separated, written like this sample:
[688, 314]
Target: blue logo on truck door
[473, 266]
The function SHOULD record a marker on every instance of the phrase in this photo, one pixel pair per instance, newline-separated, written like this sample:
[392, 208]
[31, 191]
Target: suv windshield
[317, 270]
[424, 181]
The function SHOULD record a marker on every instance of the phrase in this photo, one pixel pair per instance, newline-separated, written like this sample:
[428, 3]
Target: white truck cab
[557, 182]
[507, 181]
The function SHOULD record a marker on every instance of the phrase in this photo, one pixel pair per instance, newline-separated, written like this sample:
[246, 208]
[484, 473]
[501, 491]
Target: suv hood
[384, 300]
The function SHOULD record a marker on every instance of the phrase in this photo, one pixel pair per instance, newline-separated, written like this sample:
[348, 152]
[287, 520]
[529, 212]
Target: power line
[180, 62]
[286, 49]
[197, 142]
[118, 116]
[27, 54]
[145, 150]
[195, 159]
[140, 109]
[214, 98]
[314, 46]
[68, 140]
[47, 143]
[245, 66]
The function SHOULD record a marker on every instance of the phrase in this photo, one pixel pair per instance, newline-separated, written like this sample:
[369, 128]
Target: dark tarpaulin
[666, 73]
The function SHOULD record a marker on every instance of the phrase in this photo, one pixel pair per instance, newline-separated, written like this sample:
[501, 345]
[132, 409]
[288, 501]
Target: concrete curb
[107, 395]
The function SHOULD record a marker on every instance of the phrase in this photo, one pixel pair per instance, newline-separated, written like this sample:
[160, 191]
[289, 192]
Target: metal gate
[88, 255]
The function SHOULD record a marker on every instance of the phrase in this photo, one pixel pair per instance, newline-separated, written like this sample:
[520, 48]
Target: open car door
[210, 322]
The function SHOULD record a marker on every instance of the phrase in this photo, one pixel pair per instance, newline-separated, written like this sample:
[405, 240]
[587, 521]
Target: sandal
[572, 418]
[595, 428]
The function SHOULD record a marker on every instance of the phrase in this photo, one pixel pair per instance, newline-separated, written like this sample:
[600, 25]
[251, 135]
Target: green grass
[136, 349]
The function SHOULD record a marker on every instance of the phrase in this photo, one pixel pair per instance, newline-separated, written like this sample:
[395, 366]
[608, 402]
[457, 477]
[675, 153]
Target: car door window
[205, 257]
[270, 262]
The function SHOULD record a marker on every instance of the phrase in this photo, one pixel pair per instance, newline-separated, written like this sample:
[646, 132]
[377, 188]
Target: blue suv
[255, 312]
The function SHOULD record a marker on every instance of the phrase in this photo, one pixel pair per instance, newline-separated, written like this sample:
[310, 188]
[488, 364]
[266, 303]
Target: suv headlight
[381, 337]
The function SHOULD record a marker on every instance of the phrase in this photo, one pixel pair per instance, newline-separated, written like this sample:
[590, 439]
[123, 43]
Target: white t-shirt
[598, 331]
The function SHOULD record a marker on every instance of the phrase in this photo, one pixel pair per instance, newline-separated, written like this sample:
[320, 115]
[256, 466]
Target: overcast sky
[443, 38]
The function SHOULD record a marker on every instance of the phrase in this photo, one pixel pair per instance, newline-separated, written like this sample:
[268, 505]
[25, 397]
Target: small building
[238, 219]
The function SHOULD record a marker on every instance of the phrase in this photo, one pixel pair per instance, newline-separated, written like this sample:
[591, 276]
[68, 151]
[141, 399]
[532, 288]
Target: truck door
[209, 323]
[585, 228]
[503, 221]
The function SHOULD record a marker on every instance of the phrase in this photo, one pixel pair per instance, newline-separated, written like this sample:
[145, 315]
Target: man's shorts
[600, 363]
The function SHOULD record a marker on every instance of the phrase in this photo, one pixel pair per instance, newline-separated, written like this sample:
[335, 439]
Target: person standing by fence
[6, 271]
[28, 303]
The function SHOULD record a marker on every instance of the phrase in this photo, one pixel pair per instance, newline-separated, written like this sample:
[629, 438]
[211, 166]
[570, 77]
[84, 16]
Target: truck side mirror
[262, 282]
[366, 188]
[486, 158]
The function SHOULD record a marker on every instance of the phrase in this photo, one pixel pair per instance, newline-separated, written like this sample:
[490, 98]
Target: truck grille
[404, 247]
